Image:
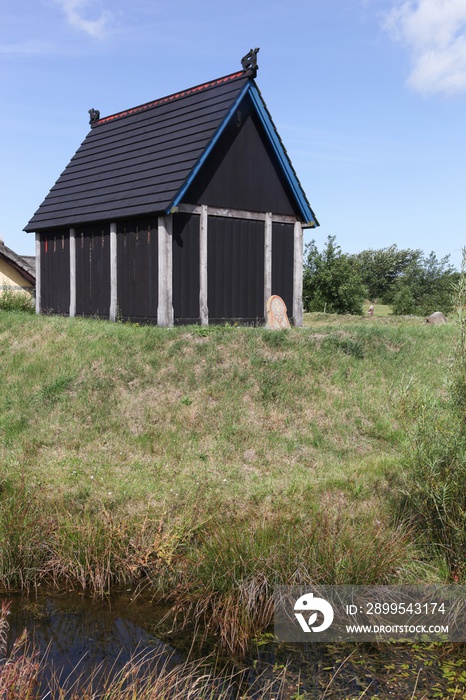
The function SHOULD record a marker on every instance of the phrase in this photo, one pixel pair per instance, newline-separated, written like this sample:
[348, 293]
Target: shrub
[11, 300]
[331, 283]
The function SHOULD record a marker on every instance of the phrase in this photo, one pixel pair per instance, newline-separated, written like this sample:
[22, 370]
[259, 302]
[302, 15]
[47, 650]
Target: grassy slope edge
[212, 462]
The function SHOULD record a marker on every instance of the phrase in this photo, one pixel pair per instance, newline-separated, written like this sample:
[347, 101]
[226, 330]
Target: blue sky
[369, 97]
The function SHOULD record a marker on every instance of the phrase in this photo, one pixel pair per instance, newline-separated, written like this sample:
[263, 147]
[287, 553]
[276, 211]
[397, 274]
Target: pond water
[77, 635]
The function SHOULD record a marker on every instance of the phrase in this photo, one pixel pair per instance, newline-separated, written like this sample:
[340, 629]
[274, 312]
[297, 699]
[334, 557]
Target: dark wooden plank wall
[242, 171]
[137, 273]
[282, 263]
[235, 270]
[93, 270]
[186, 268]
[55, 272]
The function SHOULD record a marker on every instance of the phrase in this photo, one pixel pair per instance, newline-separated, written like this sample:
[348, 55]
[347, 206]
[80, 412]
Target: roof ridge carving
[171, 98]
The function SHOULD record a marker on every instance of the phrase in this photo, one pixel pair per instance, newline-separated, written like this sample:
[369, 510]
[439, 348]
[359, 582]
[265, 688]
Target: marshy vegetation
[149, 674]
[210, 464]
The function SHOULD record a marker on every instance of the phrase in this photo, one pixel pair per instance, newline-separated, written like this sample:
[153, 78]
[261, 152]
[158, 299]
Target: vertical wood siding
[55, 272]
[235, 270]
[137, 265]
[186, 268]
[282, 263]
[93, 270]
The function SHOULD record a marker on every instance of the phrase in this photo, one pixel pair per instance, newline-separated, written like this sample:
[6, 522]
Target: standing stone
[277, 318]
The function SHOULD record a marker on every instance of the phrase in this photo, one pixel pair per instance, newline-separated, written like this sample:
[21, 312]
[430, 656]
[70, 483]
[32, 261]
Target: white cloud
[75, 14]
[435, 33]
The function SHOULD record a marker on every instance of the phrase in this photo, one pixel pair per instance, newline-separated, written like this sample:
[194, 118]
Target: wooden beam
[298, 275]
[234, 213]
[267, 260]
[38, 276]
[113, 273]
[203, 307]
[72, 272]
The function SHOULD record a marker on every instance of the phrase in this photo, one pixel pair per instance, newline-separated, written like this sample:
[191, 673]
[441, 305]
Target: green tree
[380, 269]
[331, 282]
[425, 286]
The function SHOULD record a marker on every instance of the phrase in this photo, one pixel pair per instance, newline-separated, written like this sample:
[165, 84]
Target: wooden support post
[72, 272]
[267, 260]
[162, 304]
[169, 228]
[38, 276]
[298, 275]
[165, 316]
[113, 273]
[203, 307]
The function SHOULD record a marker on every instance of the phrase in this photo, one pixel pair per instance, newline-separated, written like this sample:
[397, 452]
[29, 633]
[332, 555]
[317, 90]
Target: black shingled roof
[136, 162]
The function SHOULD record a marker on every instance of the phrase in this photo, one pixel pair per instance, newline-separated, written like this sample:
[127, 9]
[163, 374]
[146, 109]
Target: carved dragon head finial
[249, 62]
[94, 116]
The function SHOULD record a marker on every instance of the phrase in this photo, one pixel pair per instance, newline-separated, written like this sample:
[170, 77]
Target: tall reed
[434, 465]
[25, 530]
[230, 578]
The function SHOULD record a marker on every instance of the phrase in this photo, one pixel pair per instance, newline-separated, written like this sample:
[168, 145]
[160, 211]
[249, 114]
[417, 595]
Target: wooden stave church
[186, 209]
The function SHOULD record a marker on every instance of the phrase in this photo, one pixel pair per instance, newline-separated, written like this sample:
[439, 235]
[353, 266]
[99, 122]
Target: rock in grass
[436, 318]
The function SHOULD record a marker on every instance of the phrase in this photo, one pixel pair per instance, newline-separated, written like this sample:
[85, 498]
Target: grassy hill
[213, 463]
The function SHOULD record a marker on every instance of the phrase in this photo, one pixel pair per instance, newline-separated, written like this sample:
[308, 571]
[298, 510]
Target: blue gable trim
[264, 116]
[306, 211]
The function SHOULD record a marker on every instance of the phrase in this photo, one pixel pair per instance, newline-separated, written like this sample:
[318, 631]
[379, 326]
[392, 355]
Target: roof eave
[15, 262]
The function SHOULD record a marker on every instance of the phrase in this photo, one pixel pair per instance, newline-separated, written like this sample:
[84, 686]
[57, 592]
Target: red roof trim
[171, 98]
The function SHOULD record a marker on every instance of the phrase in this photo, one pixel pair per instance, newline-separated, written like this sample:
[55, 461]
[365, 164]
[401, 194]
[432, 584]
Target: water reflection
[80, 637]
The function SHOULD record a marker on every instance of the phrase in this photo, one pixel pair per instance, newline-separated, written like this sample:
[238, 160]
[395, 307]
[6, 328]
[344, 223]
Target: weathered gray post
[113, 273]
[298, 275]
[72, 272]
[38, 277]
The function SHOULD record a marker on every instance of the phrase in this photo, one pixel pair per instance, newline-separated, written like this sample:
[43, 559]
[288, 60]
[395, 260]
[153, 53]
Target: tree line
[409, 281]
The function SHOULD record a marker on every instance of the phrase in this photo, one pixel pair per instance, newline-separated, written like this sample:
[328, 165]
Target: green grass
[380, 310]
[95, 410]
[147, 453]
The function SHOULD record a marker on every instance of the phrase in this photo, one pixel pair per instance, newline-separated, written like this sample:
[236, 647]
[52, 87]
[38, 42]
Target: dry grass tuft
[19, 669]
